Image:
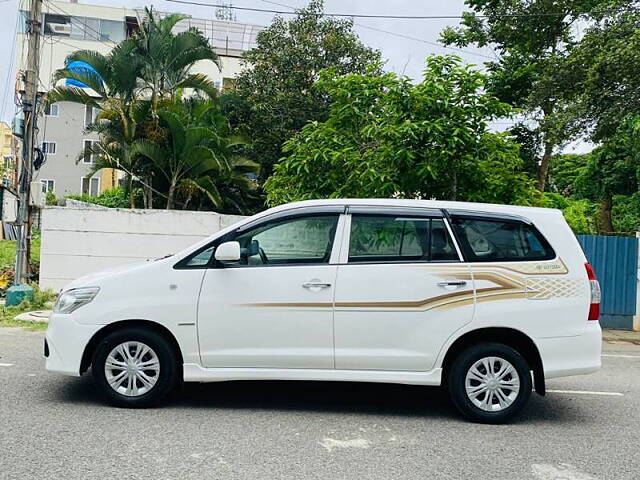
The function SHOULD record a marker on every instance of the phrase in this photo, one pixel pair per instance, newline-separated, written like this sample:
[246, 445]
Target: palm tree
[114, 148]
[198, 152]
[167, 58]
[149, 68]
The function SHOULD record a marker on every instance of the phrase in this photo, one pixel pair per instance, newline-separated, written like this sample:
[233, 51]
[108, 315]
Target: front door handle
[315, 285]
[452, 283]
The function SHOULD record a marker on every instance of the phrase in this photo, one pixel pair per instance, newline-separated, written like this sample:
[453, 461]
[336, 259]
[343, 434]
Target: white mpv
[489, 301]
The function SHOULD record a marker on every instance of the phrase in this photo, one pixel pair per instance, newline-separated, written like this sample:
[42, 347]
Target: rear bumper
[66, 340]
[578, 355]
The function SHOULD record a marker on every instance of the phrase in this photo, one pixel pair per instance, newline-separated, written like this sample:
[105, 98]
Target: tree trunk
[454, 186]
[171, 194]
[543, 168]
[187, 201]
[132, 197]
[149, 192]
[606, 225]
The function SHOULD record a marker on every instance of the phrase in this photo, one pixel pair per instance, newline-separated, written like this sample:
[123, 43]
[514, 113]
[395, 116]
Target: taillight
[594, 307]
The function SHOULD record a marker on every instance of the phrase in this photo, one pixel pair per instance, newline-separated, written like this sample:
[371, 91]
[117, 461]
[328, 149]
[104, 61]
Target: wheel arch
[511, 337]
[90, 348]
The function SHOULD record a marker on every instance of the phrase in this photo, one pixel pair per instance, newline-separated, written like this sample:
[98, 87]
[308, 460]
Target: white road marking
[6, 364]
[621, 356]
[564, 471]
[331, 443]
[587, 392]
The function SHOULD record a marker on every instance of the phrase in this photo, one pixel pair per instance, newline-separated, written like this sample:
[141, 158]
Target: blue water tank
[80, 67]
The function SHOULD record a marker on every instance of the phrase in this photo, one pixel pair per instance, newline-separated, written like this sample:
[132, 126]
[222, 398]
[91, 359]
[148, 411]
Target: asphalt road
[54, 427]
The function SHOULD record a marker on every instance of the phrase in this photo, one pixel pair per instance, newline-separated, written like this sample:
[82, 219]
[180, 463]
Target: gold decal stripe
[508, 286]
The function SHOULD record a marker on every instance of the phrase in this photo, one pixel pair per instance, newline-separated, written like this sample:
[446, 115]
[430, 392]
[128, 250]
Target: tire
[490, 400]
[138, 382]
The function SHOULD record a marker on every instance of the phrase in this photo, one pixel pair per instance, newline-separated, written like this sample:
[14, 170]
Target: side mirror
[228, 252]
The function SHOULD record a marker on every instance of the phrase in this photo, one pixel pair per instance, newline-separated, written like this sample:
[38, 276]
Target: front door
[274, 309]
[401, 292]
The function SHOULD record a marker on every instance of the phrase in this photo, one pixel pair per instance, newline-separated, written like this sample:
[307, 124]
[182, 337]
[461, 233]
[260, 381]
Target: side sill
[195, 373]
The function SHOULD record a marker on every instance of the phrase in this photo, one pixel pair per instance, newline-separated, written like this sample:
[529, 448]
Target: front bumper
[66, 340]
[578, 355]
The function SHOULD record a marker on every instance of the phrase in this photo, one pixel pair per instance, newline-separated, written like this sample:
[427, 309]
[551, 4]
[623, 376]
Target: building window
[91, 186]
[57, 25]
[83, 28]
[48, 185]
[112, 31]
[89, 115]
[49, 148]
[52, 110]
[88, 156]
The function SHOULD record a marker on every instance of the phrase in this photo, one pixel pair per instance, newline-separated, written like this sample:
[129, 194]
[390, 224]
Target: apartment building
[70, 26]
[9, 148]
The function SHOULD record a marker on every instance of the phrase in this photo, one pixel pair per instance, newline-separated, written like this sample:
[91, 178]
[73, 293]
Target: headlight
[73, 299]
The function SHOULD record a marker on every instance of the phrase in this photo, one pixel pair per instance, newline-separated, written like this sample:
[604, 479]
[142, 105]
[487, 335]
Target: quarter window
[497, 240]
[201, 259]
[300, 240]
[399, 239]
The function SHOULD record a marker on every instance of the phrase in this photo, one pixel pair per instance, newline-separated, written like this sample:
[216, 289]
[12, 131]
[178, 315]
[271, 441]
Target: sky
[404, 43]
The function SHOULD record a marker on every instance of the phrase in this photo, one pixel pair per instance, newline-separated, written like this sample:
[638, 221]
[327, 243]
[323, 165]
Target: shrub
[112, 198]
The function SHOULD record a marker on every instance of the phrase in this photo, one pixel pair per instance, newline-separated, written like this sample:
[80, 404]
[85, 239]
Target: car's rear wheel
[135, 367]
[489, 382]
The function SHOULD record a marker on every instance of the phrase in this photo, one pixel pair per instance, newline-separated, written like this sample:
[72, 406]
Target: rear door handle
[318, 285]
[452, 283]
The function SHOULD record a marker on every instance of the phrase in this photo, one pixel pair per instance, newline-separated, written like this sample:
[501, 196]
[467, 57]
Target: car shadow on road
[329, 397]
[336, 397]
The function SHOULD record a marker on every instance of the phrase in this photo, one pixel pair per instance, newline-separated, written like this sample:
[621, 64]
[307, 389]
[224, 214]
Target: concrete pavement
[57, 427]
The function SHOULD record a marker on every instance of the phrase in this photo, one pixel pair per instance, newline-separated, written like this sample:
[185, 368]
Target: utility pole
[19, 290]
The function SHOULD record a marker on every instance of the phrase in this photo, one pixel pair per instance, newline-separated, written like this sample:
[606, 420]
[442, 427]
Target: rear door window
[500, 240]
[387, 238]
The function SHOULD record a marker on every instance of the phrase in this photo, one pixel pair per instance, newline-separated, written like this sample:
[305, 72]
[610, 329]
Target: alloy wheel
[132, 368]
[492, 384]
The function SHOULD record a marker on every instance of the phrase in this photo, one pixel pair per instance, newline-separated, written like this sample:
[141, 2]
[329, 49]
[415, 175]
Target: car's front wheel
[489, 382]
[135, 367]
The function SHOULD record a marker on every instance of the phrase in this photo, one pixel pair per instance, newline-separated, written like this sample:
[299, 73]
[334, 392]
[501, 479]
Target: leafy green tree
[604, 69]
[274, 95]
[565, 171]
[580, 214]
[625, 213]
[613, 169]
[386, 137]
[532, 39]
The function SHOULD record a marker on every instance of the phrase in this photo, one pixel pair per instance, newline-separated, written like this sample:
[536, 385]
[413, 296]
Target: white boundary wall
[77, 240]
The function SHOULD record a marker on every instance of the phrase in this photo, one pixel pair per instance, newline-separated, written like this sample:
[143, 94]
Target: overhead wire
[9, 68]
[359, 15]
[400, 35]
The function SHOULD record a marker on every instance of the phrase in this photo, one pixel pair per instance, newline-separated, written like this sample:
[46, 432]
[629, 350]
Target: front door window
[307, 240]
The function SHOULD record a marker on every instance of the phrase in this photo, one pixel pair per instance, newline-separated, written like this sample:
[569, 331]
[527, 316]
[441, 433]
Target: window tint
[290, 241]
[489, 240]
[392, 239]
